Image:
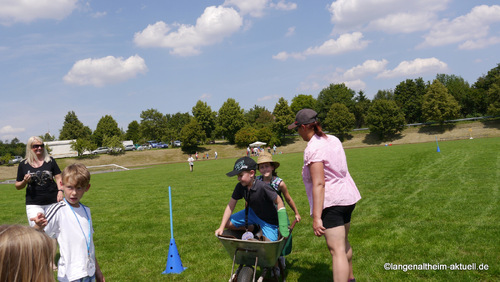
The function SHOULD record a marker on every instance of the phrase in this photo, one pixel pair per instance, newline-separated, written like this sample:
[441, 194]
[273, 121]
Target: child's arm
[282, 217]
[227, 214]
[289, 200]
[98, 273]
[40, 221]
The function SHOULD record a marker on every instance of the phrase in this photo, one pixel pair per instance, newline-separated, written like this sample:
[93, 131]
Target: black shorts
[336, 215]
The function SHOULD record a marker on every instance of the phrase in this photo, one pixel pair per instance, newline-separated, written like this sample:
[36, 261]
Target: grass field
[419, 206]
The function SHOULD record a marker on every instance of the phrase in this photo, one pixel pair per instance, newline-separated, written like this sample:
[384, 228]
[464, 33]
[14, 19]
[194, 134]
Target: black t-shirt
[261, 198]
[42, 189]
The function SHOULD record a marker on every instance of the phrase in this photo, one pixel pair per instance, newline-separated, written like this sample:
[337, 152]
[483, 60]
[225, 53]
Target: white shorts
[33, 210]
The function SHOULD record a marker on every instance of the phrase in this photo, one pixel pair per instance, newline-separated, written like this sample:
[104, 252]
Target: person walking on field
[330, 189]
[191, 163]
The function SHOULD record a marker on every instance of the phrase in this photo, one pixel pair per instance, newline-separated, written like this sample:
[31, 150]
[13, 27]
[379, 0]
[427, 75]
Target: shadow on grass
[493, 123]
[436, 129]
[374, 139]
[311, 272]
[87, 157]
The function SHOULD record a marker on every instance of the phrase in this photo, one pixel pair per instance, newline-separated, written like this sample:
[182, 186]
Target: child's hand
[219, 231]
[40, 220]
[297, 217]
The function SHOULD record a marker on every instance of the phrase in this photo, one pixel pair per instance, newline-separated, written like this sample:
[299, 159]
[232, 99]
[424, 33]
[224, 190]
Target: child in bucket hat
[267, 167]
[261, 201]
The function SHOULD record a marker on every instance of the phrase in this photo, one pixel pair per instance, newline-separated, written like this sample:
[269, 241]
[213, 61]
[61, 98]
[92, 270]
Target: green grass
[418, 206]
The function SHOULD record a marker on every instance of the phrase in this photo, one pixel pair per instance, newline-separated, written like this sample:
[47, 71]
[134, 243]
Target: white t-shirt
[72, 236]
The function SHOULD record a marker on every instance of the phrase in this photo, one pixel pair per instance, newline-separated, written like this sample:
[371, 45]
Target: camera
[40, 177]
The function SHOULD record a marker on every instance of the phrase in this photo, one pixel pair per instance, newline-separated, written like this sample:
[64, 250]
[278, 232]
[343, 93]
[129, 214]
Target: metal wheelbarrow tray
[253, 252]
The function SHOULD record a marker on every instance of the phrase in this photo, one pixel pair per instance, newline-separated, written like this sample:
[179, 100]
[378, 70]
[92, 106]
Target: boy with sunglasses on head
[260, 199]
[70, 222]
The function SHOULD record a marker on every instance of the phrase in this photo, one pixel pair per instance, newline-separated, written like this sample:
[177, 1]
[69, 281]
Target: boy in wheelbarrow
[261, 200]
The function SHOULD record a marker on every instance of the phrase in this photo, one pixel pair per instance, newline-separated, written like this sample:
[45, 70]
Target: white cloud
[206, 96]
[254, 8]
[388, 15]
[345, 43]
[267, 98]
[479, 44]
[8, 129]
[471, 30]
[404, 22]
[26, 11]
[355, 85]
[211, 27]
[309, 87]
[368, 67]
[290, 32]
[103, 71]
[415, 67]
[283, 56]
[282, 5]
[99, 14]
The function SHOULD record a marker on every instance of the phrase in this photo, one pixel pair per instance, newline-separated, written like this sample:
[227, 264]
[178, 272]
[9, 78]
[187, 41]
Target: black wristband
[60, 191]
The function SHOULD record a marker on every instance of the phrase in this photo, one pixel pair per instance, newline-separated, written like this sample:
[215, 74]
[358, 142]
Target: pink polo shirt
[340, 189]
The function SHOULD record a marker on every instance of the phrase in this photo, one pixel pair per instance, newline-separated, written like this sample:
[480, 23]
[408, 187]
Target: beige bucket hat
[267, 158]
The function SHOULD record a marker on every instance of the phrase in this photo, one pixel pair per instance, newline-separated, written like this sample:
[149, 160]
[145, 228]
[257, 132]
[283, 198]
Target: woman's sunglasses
[36, 146]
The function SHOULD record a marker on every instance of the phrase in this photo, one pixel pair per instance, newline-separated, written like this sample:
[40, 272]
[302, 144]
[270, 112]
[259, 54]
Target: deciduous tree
[153, 124]
[438, 104]
[73, 128]
[245, 136]
[107, 126]
[230, 119]
[205, 117]
[409, 95]
[385, 118]
[191, 134]
[334, 93]
[302, 101]
[339, 121]
[133, 132]
[283, 116]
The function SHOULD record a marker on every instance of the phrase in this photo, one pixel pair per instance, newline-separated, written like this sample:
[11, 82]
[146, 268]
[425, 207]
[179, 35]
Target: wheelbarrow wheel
[245, 274]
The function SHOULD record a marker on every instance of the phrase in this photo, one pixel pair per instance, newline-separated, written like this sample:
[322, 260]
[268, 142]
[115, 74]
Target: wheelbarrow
[252, 253]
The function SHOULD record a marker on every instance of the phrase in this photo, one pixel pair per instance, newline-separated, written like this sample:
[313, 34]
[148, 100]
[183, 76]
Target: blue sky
[120, 58]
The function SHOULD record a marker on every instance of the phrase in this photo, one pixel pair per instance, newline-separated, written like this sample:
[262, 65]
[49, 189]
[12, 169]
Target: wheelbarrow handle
[293, 225]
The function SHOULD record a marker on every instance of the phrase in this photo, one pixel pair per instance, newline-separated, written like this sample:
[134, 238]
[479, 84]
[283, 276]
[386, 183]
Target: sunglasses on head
[36, 146]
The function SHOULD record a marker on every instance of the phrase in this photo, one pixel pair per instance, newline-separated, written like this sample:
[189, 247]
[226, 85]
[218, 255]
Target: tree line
[340, 110]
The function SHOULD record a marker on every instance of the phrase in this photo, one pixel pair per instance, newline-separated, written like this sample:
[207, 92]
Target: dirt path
[136, 159]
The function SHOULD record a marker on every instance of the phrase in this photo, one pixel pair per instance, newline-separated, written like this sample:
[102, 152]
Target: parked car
[177, 143]
[152, 143]
[115, 150]
[144, 147]
[161, 145]
[15, 160]
[100, 150]
[130, 148]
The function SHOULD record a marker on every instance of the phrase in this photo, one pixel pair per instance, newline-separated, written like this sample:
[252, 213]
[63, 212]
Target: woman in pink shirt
[330, 189]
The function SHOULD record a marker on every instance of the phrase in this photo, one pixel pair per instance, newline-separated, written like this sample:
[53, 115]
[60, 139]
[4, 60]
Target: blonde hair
[30, 155]
[25, 254]
[78, 173]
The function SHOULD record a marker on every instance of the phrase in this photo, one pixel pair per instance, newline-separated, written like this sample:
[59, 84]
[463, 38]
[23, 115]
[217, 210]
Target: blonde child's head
[25, 254]
[77, 174]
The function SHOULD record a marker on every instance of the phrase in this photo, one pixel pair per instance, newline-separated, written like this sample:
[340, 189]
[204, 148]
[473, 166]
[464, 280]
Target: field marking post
[174, 263]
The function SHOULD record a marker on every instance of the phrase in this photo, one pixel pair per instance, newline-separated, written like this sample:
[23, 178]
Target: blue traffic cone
[174, 264]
